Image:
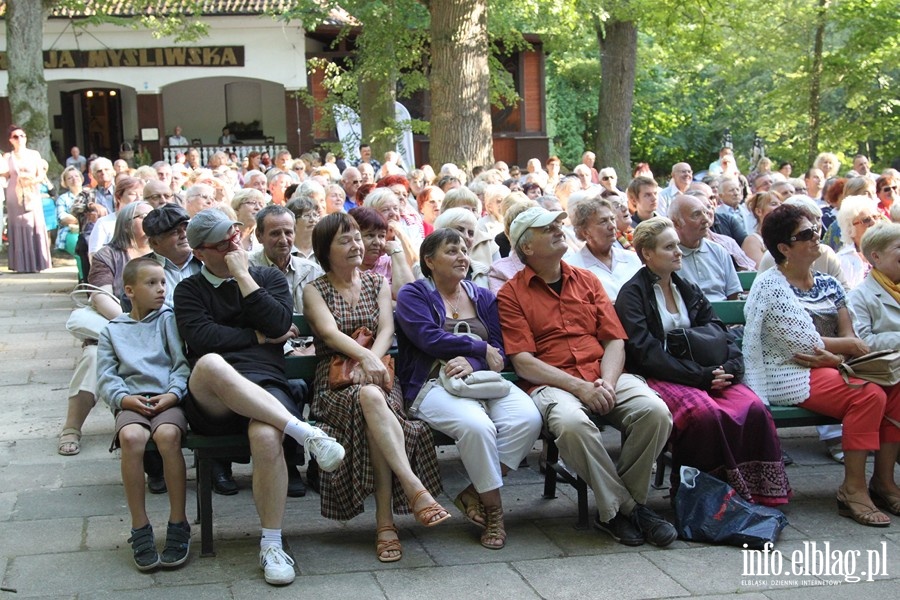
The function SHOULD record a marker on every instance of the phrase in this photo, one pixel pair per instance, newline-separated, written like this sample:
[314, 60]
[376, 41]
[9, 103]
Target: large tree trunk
[27, 87]
[460, 84]
[815, 80]
[618, 59]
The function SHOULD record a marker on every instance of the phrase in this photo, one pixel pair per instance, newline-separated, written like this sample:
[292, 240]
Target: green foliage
[572, 90]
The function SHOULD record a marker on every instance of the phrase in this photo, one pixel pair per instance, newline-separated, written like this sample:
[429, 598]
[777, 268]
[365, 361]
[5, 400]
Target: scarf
[892, 288]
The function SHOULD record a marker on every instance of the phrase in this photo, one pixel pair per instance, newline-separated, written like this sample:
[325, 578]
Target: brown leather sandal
[884, 501]
[430, 515]
[860, 512]
[494, 535]
[469, 504]
[383, 546]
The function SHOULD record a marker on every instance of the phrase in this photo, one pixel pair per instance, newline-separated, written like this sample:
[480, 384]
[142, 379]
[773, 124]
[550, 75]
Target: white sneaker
[328, 452]
[278, 566]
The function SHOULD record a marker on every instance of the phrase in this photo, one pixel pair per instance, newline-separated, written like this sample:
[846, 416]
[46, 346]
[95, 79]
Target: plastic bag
[709, 510]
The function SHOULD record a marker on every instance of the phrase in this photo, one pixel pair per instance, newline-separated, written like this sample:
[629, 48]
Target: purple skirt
[729, 434]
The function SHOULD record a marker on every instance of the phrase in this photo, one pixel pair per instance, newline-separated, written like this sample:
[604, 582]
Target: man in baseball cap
[564, 339]
[235, 319]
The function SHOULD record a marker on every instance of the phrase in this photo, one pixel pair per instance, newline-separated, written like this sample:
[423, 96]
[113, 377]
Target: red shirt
[565, 331]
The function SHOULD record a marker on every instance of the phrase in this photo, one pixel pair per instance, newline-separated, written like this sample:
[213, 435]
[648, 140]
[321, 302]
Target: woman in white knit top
[798, 331]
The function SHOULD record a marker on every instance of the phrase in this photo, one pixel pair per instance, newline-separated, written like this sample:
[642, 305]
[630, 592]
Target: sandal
[383, 546]
[494, 536]
[860, 512]
[69, 441]
[428, 516]
[469, 504]
[885, 501]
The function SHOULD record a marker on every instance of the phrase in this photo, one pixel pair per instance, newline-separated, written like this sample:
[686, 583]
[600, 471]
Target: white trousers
[487, 432]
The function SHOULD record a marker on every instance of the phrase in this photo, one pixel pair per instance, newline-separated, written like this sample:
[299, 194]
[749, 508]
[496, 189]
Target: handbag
[340, 370]
[706, 345]
[478, 385]
[85, 323]
[881, 367]
[709, 510]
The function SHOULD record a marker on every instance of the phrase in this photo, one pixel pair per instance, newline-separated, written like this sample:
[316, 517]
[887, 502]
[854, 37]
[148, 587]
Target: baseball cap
[533, 217]
[165, 218]
[209, 227]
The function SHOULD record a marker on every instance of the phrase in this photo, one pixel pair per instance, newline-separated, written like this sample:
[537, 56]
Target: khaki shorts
[172, 416]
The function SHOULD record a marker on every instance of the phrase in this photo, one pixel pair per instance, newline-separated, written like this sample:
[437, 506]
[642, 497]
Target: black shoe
[143, 546]
[178, 545]
[295, 488]
[621, 529]
[223, 481]
[156, 484]
[656, 530]
[153, 467]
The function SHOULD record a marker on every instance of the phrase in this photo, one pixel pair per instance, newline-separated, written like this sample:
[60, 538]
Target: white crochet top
[777, 328]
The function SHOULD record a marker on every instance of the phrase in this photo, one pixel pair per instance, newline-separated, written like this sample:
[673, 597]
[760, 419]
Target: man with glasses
[158, 193]
[350, 181]
[608, 179]
[235, 319]
[567, 345]
[199, 197]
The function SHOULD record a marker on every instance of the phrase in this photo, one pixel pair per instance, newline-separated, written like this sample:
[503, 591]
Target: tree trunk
[27, 87]
[460, 85]
[815, 80]
[618, 59]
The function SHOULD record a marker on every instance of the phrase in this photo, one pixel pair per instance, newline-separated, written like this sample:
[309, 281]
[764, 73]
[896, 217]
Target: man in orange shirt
[566, 342]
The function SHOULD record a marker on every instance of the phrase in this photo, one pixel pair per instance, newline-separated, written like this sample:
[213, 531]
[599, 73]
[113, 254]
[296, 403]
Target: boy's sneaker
[144, 547]
[178, 545]
[328, 452]
[277, 566]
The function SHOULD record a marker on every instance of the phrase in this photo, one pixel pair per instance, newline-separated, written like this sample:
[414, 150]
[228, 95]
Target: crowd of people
[587, 291]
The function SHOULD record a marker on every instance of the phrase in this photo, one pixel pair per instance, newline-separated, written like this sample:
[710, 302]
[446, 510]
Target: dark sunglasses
[606, 177]
[805, 235]
[889, 189]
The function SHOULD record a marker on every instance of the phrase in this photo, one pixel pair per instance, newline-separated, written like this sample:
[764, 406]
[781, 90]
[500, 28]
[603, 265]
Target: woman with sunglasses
[856, 215]
[798, 331]
[29, 243]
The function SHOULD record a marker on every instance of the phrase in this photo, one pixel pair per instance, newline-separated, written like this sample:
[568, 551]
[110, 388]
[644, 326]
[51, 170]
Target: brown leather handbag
[340, 371]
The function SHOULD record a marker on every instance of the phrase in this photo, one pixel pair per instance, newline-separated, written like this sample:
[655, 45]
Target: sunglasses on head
[805, 235]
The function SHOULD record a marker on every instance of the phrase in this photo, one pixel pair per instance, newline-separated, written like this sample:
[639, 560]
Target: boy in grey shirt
[142, 375]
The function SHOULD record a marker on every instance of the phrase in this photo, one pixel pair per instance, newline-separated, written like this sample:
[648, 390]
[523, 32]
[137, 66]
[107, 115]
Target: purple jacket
[420, 318]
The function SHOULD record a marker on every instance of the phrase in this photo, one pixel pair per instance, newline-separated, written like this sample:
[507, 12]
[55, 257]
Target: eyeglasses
[252, 203]
[867, 221]
[805, 235]
[160, 196]
[889, 189]
[19, 136]
[225, 245]
[607, 178]
[311, 216]
[553, 227]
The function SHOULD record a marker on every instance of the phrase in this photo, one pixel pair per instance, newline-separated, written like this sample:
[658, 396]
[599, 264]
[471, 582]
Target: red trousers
[862, 410]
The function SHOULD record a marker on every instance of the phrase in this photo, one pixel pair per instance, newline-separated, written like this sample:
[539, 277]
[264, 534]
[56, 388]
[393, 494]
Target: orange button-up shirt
[565, 331]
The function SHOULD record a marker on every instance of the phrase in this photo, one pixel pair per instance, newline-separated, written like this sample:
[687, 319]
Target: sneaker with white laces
[277, 566]
[328, 452]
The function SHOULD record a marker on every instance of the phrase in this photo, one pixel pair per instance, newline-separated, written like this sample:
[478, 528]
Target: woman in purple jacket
[493, 436]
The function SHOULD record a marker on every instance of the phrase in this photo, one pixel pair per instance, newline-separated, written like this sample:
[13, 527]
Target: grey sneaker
[328, 452]
[178, 545]
[143, 545]
[277, 566]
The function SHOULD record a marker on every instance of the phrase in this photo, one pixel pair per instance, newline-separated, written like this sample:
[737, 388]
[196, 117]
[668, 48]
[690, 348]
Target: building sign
[202, 56]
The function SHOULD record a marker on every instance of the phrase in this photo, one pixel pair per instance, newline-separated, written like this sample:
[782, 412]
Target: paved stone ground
[64, 525]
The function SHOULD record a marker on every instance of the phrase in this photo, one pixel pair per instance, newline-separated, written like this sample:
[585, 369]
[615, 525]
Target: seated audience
[463, 221]
[798, 331]
[856, 215]
[760, 204]
[387, 454]
[492, 436]
[380, 255]
[708, 401]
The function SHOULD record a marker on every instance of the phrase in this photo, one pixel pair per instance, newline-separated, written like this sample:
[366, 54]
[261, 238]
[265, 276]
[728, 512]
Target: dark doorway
[92, 120]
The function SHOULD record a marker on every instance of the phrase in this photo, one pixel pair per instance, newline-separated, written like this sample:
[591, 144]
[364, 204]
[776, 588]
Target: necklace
[454, 310]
